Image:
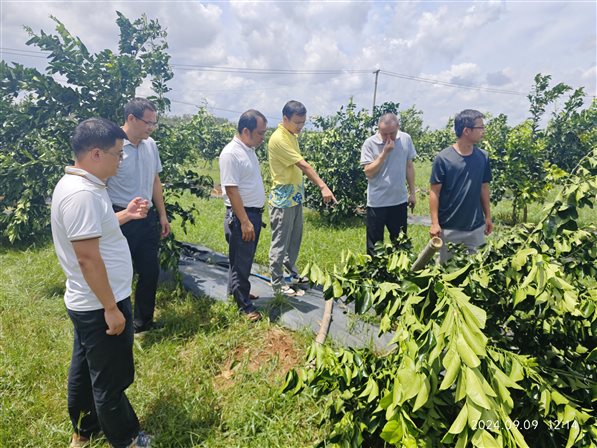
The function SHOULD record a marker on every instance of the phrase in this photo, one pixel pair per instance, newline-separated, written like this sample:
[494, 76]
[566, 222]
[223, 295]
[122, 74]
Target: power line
[266, 71]
[286, 72]
[451, 84]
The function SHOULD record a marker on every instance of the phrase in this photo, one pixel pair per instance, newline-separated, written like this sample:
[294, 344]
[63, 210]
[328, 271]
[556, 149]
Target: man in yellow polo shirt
[287, 166]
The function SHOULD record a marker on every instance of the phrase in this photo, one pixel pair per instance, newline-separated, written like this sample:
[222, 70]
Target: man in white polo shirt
[244, 196]
[138, 175]
[95, 257]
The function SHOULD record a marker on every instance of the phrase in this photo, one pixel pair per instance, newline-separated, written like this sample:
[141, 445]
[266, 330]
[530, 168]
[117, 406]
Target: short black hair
[249, 120]
[137, 107]
[293, 107]
[466, 119]
[95, 133]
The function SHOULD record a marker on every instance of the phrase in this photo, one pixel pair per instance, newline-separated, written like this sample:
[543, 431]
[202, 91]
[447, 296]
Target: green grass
[208, 379]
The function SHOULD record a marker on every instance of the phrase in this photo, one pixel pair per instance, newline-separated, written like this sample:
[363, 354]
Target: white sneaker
[298, 280]
[288, 291]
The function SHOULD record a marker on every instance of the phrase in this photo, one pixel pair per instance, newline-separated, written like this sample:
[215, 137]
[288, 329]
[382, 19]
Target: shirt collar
[281, 126]
[240, 142]
[82, 173]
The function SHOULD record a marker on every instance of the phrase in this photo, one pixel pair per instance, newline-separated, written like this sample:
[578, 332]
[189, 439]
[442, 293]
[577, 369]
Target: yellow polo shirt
[287, 189]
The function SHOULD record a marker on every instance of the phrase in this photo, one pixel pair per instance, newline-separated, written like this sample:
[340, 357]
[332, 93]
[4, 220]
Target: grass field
[208, 379]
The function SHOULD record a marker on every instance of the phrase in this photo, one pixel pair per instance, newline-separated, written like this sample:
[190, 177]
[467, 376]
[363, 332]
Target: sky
[438, 56]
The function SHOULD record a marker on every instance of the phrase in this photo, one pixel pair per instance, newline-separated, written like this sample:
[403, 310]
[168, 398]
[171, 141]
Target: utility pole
[375, 90]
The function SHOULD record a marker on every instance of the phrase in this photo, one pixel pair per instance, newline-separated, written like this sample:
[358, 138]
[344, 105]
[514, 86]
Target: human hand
[137, 208]
[389, 144]
[328, 196]
[115, 321]
[488, 226]
[247, 230]
[165, 226]
[435, 230]
[412, 201]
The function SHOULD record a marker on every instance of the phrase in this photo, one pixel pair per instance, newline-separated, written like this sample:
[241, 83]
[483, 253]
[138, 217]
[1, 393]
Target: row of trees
[527, 159]
[40, 112]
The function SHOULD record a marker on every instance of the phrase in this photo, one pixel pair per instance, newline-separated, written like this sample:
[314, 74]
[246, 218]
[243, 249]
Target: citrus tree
[492, 350]
[40, 111]
[334, 150]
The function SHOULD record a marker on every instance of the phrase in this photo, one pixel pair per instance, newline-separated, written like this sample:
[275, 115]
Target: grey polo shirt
[388, 186]
[136, 173]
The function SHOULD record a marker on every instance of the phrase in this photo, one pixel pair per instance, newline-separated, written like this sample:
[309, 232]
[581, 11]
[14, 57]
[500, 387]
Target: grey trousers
[287, 234]
[471, 239]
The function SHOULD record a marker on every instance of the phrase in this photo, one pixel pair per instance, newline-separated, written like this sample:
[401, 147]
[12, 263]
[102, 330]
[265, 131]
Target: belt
[118, 208]
[250, 209]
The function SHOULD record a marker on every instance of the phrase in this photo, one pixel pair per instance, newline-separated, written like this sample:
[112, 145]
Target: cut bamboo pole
[325, 321]
[427, 254]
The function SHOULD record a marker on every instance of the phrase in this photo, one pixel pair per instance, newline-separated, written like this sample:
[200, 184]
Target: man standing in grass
[138, 175]
[95, 257]
[387, 159]
[244, 196]
[459, 193]
[287, 166]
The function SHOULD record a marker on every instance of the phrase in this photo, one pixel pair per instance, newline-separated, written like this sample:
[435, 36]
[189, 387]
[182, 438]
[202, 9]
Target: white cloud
[494, 44]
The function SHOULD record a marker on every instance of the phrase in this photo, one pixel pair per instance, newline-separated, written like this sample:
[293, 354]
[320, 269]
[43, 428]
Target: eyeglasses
[120, 154]
[153, 124]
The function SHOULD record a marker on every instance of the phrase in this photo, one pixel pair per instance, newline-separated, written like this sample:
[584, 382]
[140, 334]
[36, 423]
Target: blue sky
[486, 44]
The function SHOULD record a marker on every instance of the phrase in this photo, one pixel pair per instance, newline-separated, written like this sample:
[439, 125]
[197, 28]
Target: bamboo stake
[325, 321]
[427, 254]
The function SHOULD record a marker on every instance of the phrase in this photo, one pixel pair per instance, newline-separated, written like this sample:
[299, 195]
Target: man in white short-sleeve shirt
[138, 175]
[244, 196]
[387, 159]
[95, 258]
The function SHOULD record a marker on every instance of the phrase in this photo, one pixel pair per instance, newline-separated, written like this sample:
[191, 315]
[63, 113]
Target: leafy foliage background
[498, 349]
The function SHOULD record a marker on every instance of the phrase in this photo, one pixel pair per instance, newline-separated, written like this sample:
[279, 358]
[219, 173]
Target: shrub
[491, 350]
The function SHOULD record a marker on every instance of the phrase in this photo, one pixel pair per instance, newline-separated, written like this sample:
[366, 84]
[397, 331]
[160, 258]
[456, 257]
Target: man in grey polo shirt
[459, 194]
[244, 196]
[138, 175]
[387, 159]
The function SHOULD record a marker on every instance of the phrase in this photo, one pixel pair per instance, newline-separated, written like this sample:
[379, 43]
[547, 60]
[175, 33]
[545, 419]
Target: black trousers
[240, 257]
[143, 236]
[101, 369]
[378, 218]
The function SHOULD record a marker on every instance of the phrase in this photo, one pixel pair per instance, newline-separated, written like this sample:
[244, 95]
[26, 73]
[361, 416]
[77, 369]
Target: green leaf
[459, 423]
[474, 338]
[337, 287]
[573, 435]
[423, 394]
[451, 363]
[520, 259]
[483, 439]
[392, 432]
[475, 391]
[475, 316]
[466, 353]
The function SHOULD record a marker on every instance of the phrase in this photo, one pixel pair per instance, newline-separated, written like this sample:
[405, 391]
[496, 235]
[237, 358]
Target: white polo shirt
[239, 167]
[81, 210]
[136, 173]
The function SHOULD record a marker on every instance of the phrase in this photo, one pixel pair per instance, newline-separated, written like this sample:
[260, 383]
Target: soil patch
[277, 347]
